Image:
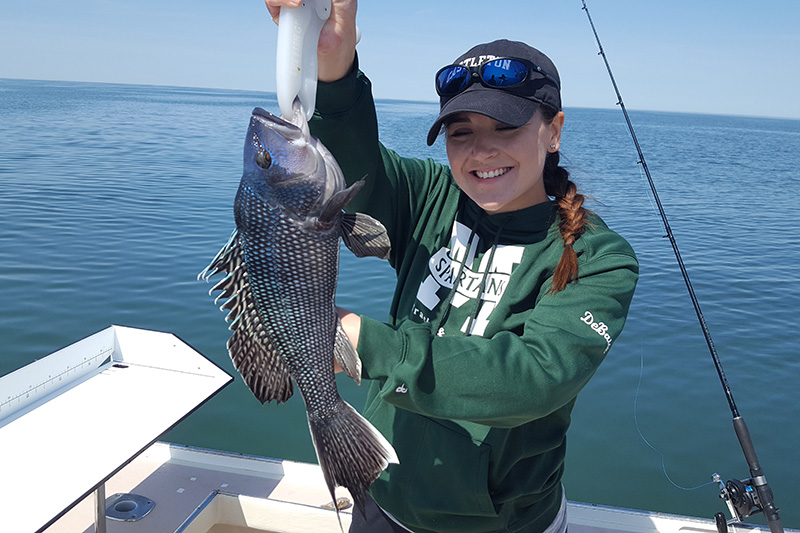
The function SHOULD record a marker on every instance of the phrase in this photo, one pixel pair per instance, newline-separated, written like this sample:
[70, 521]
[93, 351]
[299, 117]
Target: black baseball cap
[514, 105]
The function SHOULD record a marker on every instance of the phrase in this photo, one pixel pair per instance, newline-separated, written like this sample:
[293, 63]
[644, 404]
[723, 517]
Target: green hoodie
[473, 382]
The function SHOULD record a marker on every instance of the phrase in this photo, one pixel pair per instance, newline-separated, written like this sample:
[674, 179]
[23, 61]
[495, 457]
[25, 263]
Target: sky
[731, 57]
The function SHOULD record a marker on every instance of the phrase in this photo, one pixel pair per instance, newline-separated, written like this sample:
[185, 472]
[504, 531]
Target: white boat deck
[71, 420]
[180, 479]
[245, 494]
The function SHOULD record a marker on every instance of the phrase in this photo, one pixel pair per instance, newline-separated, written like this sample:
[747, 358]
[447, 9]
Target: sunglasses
[500, 73]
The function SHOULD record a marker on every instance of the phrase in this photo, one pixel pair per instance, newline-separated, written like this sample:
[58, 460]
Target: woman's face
[500, 166]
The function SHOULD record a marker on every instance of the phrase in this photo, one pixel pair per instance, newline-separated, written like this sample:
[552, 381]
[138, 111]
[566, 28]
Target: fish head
[286, 166]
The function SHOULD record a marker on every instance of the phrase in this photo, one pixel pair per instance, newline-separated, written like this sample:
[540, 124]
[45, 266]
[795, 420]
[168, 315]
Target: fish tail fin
[351, 452]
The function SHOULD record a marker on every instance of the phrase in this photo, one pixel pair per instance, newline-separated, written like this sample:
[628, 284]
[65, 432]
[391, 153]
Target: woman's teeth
[491, 173]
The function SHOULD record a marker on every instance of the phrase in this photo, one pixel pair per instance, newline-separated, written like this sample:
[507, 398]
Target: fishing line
[757, 481]
[641, 378]
[639, 431]
[650, 445]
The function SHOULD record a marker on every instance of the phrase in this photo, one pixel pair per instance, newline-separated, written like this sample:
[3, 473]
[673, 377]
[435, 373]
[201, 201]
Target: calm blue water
[114, 197]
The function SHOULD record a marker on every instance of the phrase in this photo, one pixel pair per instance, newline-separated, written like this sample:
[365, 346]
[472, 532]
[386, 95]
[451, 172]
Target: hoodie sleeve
[511, 378]
[346, 122]
[397, 190]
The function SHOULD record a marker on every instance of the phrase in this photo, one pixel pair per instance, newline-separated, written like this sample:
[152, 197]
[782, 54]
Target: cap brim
[500, 105]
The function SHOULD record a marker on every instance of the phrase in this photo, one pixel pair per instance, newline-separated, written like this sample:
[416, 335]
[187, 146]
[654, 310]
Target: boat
[80, 451]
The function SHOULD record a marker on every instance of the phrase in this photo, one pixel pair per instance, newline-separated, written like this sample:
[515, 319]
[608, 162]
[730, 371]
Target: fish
[281, 267]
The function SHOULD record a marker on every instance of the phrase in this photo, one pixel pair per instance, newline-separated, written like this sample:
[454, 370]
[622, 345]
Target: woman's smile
[497, 165]
[488, 174]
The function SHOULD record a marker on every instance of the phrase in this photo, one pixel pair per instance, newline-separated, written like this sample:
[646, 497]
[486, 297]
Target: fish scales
[281, 265]
[293, 283]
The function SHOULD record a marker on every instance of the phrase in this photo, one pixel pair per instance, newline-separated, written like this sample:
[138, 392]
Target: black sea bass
[282, 264]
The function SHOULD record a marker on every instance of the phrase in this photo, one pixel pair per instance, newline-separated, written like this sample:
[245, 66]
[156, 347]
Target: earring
[553, 147]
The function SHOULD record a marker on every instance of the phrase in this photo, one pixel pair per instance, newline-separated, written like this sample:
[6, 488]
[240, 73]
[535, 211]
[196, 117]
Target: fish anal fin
[346, 355]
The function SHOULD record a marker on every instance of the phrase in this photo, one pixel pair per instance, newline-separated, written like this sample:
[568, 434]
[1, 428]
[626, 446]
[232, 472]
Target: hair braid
[573, 218]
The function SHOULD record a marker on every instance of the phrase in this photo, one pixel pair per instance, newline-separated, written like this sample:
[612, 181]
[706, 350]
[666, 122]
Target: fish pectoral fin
[365, 236]
[346, 355]
[338, 201]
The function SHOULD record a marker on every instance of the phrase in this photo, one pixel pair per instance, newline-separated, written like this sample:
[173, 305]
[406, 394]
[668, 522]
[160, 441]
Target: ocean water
[114, 197]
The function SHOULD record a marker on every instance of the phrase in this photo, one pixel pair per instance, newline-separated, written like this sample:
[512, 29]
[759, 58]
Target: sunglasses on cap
[500, 73]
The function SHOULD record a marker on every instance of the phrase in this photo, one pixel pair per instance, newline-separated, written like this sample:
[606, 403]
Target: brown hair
[570, 209]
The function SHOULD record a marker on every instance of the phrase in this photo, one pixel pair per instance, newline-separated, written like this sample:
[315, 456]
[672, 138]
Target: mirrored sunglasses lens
[452, 80]
[504, 72]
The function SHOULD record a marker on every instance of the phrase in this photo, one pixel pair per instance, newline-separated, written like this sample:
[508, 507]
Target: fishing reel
[741, 496]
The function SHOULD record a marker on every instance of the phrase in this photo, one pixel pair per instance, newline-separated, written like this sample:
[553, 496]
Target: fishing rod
[744, 497]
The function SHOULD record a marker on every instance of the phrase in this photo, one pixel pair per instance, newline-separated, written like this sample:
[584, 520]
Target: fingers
[274, 6]
[351, 324]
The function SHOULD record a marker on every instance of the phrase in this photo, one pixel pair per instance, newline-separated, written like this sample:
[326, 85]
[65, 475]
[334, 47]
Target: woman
[506, 300]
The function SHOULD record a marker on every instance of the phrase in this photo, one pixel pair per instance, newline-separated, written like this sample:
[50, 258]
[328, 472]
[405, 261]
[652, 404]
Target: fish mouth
[263, 113]
[270, 118]
[285, 128]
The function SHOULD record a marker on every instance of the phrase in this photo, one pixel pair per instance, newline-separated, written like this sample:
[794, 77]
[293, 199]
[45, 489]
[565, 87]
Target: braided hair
[570, 209]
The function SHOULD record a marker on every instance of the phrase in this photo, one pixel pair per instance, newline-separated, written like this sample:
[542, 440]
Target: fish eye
[263, 159]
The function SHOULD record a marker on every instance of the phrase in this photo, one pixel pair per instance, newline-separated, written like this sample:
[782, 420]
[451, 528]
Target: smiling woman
[495, 280]
[497, 165]
[474, 376]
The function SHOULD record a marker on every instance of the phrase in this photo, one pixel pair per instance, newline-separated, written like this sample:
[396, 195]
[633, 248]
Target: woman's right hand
[337, 40]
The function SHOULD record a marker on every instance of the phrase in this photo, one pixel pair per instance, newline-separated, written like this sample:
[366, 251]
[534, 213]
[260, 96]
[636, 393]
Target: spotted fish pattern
[281, 268]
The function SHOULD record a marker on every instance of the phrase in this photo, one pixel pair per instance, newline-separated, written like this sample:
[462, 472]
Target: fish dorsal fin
[365, 236]
[251, 350]
[346, 355]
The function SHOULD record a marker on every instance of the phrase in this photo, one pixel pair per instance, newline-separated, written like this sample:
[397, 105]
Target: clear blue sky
[706, 56]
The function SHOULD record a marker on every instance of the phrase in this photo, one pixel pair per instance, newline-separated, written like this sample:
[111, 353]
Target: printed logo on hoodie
[487, 283]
